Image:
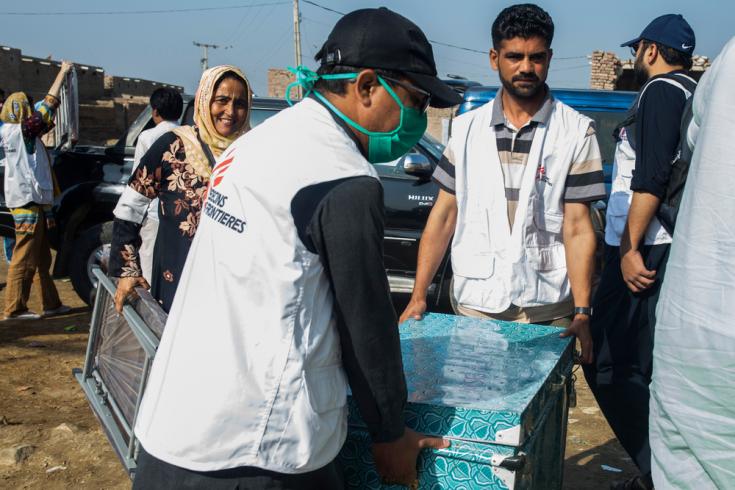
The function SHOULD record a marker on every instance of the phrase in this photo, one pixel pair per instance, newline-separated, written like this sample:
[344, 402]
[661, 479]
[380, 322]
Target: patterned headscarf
[205, 125]
[16, 109]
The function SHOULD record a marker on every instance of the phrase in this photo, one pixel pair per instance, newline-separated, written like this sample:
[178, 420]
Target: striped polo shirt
[584, 183]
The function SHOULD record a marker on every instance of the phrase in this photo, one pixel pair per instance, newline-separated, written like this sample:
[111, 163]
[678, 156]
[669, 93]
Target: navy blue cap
[670, 30]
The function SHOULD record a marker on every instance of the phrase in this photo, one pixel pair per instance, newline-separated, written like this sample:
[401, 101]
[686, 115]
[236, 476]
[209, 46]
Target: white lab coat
[249, 371]
[621, 195]
[27, 176]
[692, 421]
[494, 267]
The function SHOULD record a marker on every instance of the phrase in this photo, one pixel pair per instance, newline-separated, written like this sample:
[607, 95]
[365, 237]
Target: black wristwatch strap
[583, 310]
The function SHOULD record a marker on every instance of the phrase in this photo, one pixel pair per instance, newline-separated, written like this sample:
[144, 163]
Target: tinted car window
[433, 145]
[257, 116]
[606, 123]
[142, 122]
[188, 119]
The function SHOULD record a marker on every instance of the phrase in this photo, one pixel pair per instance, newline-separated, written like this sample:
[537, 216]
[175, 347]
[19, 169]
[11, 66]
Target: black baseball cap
[380, 38]
[670, 30]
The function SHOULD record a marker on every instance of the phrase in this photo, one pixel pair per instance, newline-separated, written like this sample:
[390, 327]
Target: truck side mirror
[417, 164]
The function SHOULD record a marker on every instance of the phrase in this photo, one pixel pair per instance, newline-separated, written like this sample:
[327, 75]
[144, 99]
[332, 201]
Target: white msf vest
[621, 196]
[27, 176]
[492, 266]
[249, 369]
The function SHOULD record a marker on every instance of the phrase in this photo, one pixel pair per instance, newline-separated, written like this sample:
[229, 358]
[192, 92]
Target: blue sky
[159, 46]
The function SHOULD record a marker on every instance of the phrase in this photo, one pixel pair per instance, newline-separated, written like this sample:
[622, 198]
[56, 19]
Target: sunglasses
[425, 99]
[634, 49]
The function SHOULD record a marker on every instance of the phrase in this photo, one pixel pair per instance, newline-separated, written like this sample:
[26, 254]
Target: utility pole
[297, 38]
[205, 52]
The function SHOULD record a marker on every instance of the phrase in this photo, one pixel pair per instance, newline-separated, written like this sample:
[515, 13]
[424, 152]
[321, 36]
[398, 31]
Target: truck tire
[91, 247]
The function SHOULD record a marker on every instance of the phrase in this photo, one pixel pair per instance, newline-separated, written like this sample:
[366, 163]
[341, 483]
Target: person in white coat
[516, 183]
[283, 302]
[692, 418]
[29, 193]
[166, 104]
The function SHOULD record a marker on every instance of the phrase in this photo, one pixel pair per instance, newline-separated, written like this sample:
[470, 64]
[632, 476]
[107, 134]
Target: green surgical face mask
[382, 147]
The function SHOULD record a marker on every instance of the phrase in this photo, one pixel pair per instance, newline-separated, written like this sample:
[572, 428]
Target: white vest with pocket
[27, 176]
[621, 196]
[249, 369]
[494, 268]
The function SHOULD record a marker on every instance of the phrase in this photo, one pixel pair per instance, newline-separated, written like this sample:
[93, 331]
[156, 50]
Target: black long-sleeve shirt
[658, 122]
[342, 221]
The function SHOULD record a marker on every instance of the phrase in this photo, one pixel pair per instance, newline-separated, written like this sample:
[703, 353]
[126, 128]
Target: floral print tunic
[163, 173]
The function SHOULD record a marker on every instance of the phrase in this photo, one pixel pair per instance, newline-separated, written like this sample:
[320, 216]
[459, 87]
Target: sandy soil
[42, 406]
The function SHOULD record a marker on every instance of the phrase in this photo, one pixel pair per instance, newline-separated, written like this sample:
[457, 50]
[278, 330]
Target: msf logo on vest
[215, 201]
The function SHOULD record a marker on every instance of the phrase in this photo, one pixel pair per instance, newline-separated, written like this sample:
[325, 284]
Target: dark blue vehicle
[409, 195]
[607, 108]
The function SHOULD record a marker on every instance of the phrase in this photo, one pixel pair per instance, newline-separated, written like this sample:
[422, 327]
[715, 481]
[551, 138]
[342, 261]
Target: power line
[236, 31]
[323, 7]
[141, 12]
[471, 50]
[205, 53]
[277, 46]
[242, 26]
[316, 21]
[565, 68]
[433, 41]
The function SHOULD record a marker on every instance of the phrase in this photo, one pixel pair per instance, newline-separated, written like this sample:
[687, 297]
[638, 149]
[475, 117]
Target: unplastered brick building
[608, 72]
[107, 104]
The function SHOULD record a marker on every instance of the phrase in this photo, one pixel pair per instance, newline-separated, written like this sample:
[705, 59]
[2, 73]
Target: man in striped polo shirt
[516, 181]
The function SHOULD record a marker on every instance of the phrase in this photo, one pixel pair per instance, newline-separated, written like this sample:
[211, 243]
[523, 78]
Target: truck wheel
[92, 247]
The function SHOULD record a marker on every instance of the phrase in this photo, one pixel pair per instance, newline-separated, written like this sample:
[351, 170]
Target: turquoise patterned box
[497, 390]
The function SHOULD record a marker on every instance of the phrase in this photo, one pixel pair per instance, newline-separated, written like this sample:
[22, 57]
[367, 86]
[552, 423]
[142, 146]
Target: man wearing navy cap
[637, 245]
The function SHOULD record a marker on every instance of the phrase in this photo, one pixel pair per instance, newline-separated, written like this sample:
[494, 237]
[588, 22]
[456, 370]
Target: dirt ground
[42, 406]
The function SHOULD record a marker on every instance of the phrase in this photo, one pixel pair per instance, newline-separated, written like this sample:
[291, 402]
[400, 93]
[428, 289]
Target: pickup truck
[92, 179]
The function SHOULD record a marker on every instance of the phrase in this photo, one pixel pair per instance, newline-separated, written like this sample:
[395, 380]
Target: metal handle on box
[514, 463]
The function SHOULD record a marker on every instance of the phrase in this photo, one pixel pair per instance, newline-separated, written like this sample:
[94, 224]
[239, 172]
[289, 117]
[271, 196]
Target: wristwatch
[583, 310]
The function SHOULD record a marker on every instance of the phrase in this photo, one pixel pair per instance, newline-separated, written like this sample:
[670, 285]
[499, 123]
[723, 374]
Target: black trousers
[154, 474]
[623, 328]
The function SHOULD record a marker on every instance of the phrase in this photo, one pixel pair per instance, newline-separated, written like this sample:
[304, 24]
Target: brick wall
[606, 68]
[9, 69]
[437, 127]
[133, 87]
[35, 75]
[108, 104]
[105, 121]
[278, 80]
[608, 72]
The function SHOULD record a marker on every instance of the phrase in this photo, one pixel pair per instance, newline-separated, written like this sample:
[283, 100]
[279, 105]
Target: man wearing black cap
[284, 301]
[637, 245]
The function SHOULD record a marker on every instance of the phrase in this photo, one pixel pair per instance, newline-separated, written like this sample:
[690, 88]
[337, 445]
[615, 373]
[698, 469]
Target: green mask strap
[353, 123]
[306, 78]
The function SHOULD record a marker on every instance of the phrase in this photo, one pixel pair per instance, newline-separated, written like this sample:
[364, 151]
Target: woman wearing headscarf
[29, 193]
[176, 170]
